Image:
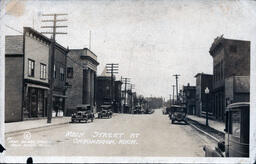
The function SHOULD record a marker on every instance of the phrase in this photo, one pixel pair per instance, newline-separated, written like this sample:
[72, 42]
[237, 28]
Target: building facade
[189, 99]
[118, 96]
[230, 58]
[103, 91]
[203, 81]
[81, 77]
[59, 85]
[27, 67]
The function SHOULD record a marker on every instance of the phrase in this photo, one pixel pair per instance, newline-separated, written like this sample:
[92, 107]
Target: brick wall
[75, 92]
[237, 63]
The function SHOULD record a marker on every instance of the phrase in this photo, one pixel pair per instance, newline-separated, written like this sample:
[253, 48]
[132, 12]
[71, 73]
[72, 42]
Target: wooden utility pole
[176, 77]
[173, 86]
[112, 69]
[132, 87]
[52, 54]
[126, 81]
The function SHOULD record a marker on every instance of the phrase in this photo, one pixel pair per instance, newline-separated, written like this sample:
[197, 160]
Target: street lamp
[207, 91]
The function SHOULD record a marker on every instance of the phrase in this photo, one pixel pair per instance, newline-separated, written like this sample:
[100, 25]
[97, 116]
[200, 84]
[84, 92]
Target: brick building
[202, 82]
[59, 85]
[230, 58]
[81, 76]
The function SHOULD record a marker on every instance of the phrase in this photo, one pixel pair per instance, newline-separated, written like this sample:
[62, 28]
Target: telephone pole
[176, 77]
[52, 54]
[173, 86]
[126, 81]
[112, 69]
[132, 87]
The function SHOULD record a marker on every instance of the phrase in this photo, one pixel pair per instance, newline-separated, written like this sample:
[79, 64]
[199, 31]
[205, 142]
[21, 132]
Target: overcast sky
[151, 39]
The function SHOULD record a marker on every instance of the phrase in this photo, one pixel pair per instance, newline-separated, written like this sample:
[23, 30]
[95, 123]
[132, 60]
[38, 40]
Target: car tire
[172, 121]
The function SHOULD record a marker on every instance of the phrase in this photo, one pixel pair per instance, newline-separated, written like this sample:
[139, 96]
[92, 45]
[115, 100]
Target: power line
[52, 59]
[13, 29]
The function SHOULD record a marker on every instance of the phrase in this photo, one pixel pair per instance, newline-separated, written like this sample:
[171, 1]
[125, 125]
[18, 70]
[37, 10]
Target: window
[55, 73]
[70, 72]
[42, 71]
[61, 74]
[31, 68]
[236, 123]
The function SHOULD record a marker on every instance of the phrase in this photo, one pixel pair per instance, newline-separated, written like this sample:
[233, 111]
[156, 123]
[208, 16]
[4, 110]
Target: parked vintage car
[138, 110]
[177, 113]
[105, 111]
[237, 129]
[83, 113]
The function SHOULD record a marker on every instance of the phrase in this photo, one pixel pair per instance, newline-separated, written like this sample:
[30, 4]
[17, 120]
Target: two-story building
[59, 84]
[26, 76]
[189, 98]
[203, 81]
[27, 67]
[81, 76]
[231, 59]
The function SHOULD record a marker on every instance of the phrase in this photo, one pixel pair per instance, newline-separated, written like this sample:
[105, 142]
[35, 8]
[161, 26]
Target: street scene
[123, 135]
[128, 78]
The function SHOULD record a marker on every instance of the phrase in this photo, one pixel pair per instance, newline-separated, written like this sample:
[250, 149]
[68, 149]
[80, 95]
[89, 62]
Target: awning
[56, 95]
[37, 86]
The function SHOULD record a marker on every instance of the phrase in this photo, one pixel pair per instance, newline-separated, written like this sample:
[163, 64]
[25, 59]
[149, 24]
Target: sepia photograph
[127, 81]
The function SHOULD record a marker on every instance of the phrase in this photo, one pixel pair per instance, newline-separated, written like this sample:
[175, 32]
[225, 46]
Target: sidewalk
[217, 125]
[34, 124]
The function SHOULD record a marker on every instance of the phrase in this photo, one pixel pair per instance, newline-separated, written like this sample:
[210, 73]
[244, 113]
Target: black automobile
[83, 113]
[105, 111]
[178, 113]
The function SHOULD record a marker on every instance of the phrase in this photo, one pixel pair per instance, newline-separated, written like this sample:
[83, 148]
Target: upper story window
[31, 68]
[55, 73]
[61, 73]
[70, 72]
[42, 71]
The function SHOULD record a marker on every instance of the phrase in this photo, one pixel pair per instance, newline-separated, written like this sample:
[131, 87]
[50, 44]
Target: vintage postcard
[127, 81]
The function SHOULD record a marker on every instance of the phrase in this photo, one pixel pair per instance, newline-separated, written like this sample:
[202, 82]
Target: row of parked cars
[237, 130]
[84, 113]
[141, 110]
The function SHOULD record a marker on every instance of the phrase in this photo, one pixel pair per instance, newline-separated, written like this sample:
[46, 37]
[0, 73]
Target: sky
[150, 39]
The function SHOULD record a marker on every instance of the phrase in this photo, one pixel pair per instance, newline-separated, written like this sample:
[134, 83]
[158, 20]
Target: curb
[40, 127]
[209, 135]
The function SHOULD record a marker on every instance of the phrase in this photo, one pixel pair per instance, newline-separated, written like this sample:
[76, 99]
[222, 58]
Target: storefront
[58, 105]
[35, 101]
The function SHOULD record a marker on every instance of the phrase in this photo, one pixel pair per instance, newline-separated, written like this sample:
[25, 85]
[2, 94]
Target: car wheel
[172, 121]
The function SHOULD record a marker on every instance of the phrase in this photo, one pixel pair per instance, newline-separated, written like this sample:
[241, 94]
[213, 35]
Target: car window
[236, 119]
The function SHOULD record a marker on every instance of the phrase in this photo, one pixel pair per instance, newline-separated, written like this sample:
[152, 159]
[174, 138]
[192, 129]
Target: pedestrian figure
[2, 148]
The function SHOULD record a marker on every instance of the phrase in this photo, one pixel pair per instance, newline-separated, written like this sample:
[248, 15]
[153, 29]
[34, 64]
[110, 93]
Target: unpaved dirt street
[122, 135]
